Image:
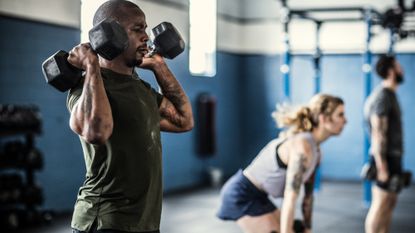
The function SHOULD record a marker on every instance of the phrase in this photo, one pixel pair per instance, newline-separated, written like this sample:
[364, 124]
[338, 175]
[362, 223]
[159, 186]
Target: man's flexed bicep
[91, 115]
[175, 108]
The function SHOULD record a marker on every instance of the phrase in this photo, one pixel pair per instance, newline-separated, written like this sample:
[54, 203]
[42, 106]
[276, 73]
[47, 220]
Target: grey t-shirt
[383, 102]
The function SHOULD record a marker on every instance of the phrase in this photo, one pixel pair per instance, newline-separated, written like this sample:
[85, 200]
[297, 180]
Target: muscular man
[118, 118]
[383, 115]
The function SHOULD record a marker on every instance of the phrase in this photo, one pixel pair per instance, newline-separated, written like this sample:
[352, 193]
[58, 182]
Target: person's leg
[392, 199]
[267, 223]
[378, 211]
[394, 168]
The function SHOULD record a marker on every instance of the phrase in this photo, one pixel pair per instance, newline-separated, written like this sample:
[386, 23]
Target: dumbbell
[398, 182]
[406, 178]
[10, 188]
[14, 154]
[395, 182]
[166, 41]
[298, 226]
[32, 195]
[108, 39]
[368, 171]
[34, 159]
[10, 219]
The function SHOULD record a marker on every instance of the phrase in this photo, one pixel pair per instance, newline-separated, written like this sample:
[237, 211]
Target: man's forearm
[379, 140]
[177, 110]
[171, 88]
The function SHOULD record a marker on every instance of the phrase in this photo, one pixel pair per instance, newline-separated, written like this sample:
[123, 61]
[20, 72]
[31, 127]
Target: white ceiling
[269, 9]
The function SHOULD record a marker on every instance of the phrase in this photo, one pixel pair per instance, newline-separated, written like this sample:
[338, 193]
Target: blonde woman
[280, 169]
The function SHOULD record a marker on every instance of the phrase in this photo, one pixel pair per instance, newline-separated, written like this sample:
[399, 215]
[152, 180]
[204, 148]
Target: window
[88, 8]
[202, 54]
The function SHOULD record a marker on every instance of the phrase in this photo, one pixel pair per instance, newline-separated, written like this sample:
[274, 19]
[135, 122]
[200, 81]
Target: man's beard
[399, 78]
[134, 63]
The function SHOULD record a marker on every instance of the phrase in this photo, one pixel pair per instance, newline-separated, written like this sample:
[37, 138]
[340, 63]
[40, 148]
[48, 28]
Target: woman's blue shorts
[239, 197]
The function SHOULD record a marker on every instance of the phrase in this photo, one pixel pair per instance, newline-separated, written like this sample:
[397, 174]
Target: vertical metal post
[367, 70]
[286, 56]
[317, 59]
[393, 37]
[317, 88]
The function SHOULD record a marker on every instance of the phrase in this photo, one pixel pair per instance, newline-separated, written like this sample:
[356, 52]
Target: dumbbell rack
[20, 197]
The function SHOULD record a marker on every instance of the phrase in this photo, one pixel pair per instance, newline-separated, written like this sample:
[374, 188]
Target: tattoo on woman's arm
[296, 172]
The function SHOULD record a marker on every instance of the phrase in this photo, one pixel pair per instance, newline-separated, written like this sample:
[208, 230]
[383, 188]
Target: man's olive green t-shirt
[123, 183]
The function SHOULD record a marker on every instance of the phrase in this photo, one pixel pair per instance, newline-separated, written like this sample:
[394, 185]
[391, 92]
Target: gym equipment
[167, 41]
[20, 196]
[32, 195]
[19, 118]
[108, 39]
[206, 128]
[298, 226]
[18, 155]
[395, 182]
[393, 19]
[9, 219]
[14, 154]
[10, 188]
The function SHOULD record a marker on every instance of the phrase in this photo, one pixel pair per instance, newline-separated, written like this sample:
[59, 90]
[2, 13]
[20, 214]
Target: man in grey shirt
[383, 116]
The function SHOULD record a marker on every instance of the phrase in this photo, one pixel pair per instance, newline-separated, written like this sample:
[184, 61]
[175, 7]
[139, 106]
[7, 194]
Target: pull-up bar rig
[392, 20]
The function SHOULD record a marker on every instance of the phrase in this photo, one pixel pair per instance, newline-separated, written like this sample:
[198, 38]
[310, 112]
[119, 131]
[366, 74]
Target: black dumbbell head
[59, 73]
[406, 178]
[298, 226]
[108, 39]
[167, 40]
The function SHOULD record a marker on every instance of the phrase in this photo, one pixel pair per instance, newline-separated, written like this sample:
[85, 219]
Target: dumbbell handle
[108, 39]
[153, 49]
[56, 67]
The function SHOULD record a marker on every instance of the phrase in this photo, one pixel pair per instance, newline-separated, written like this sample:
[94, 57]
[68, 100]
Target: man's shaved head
[116, 9]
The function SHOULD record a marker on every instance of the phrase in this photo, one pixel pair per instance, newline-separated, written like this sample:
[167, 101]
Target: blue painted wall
[342, 76]
[246, 87]
[25, 45]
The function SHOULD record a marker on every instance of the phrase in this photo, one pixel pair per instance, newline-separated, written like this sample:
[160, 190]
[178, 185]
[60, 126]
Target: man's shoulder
[380, 94]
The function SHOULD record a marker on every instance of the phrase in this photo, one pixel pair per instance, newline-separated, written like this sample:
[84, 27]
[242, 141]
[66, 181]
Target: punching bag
[205, 125]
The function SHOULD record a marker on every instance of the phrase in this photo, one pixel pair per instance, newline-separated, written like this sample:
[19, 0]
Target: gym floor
[338, 208]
